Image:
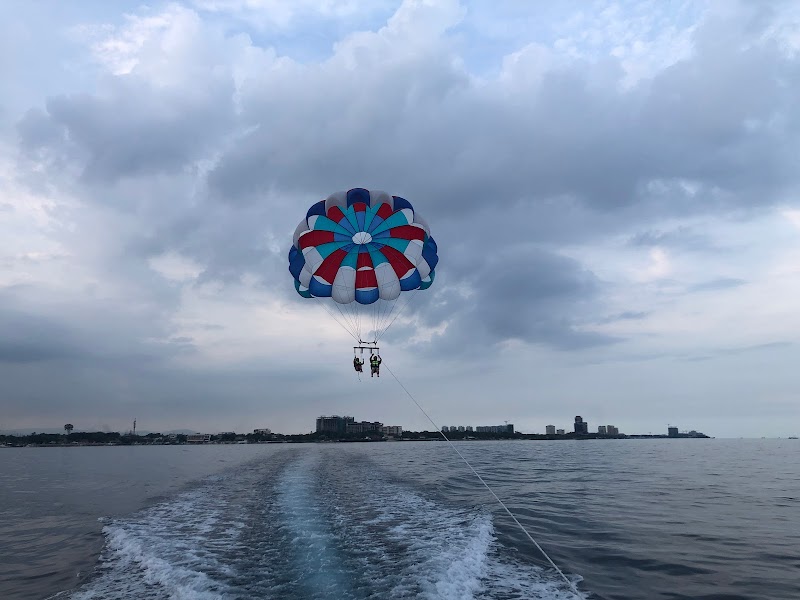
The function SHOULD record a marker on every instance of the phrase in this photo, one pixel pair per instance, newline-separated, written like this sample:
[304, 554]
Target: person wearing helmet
[375, 364]
[357, 364]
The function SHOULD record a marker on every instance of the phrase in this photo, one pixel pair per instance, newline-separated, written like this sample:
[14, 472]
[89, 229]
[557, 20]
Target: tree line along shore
[98, 438]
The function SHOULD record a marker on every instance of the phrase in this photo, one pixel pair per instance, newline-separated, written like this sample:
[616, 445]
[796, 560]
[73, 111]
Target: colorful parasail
[359, 252]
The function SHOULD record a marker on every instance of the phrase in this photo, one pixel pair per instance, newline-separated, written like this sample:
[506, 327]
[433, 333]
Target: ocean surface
[624, 519]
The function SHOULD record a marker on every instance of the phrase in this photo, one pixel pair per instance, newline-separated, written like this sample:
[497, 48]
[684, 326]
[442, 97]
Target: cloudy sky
[613, 187]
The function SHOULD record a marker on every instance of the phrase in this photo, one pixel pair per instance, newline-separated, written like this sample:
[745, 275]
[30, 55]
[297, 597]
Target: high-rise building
[363, 427]
[333, 424]
[469, 428]
[550, 429]
[559, 432]
[611, 430]
[445, 428]
[672, 431]
[461, 428]
[581, 426]
[507, 428]
[601, 429]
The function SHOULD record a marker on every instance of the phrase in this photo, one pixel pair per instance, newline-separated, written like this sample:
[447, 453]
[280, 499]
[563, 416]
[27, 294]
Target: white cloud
[646, 36]
[283, 14]
[175, 267]
[793, 216]
[165, 193]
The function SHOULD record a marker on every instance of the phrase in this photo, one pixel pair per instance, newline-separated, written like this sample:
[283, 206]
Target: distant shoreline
[518, 437]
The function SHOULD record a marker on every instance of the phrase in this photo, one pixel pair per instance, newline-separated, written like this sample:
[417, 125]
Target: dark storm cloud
[736, 351]
[566, 154]
[723, 283]
[28, 338]
[522, 293]
[628, 315]
[208, 152]
[94, 391]
[134, 129]
[418, 126]
[88, 330]
[533, 296]
[681, 237]
[574, 134]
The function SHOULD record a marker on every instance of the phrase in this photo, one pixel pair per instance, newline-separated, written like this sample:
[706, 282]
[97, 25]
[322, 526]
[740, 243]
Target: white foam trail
[317, 563]
[329, 526]
[173, 550]
[433, 550]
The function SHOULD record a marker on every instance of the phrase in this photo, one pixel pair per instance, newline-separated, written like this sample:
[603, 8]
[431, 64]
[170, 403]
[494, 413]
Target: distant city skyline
[343, 422]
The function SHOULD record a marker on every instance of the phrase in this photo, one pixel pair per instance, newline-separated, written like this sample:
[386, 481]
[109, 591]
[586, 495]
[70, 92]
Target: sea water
[624, 519]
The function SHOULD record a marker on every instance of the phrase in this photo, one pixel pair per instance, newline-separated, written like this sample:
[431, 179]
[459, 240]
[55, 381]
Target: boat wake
[314, 523]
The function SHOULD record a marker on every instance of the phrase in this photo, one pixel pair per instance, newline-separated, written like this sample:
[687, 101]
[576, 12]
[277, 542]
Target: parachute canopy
[362, 248]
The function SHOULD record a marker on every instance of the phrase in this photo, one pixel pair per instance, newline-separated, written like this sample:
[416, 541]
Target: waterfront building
[581, 426]
[333, 424]
[461, 428]
[559, 432]
[601, 429]
[453, 428]
[550, 429]
[395, 430]
[507, 428]
[611, 430]
[672, 431]
[445, 428]
[363, 427]
[198, 438]
[469, 428]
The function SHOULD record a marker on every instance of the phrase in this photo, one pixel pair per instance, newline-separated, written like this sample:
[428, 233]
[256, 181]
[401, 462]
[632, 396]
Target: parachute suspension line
[352, 317]
[346, 313]
[356, 308]
[348, 326]
[353, 310]
[387, 320]
[376, 317]
[387, 315]
[385, 310]
[397, 314]
[348, 318]
[380, 316]
[333, 316]
[379, 310]
[359, 316]
[486, 485]
[376, 309]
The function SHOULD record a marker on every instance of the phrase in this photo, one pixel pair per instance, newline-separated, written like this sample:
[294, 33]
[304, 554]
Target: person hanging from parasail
[358, 252]
[375, 364]
[357, 364]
